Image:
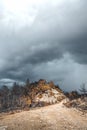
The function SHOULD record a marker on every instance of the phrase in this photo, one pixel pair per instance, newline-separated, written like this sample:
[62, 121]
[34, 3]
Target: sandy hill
[60, 112]
[54, 117]
[45, 93]
[37, 94]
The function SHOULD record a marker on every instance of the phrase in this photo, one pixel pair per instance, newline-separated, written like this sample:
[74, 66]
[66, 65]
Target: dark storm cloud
[77, 47]
[56, 38]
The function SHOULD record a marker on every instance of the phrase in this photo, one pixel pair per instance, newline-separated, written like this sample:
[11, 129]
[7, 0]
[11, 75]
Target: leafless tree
[83, 89]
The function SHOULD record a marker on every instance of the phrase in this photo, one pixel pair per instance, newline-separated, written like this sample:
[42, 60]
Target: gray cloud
[49, 43]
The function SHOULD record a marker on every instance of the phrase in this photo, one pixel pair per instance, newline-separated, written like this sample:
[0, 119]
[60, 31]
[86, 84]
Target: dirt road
[54, 117]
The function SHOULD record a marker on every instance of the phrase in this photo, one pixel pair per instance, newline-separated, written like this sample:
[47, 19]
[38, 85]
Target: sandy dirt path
[54, 117]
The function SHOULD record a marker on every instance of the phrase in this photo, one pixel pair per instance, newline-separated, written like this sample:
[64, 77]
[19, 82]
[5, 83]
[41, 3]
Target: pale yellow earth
[54, 117]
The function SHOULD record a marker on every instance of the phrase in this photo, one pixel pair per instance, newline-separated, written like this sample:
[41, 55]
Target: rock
[3, 127]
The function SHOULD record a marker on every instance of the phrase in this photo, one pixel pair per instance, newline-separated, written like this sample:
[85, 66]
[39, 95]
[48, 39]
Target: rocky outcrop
[46, 93]
[50, 96]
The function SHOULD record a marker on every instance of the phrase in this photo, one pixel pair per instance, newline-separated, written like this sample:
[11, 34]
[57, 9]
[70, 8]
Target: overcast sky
[44, 39]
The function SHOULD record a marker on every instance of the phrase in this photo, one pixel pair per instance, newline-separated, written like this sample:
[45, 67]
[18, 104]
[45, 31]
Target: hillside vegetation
[39, 94]
[22, 107]
[30, 95]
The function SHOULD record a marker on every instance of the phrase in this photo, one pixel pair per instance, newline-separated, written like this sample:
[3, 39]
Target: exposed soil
[54, 117]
